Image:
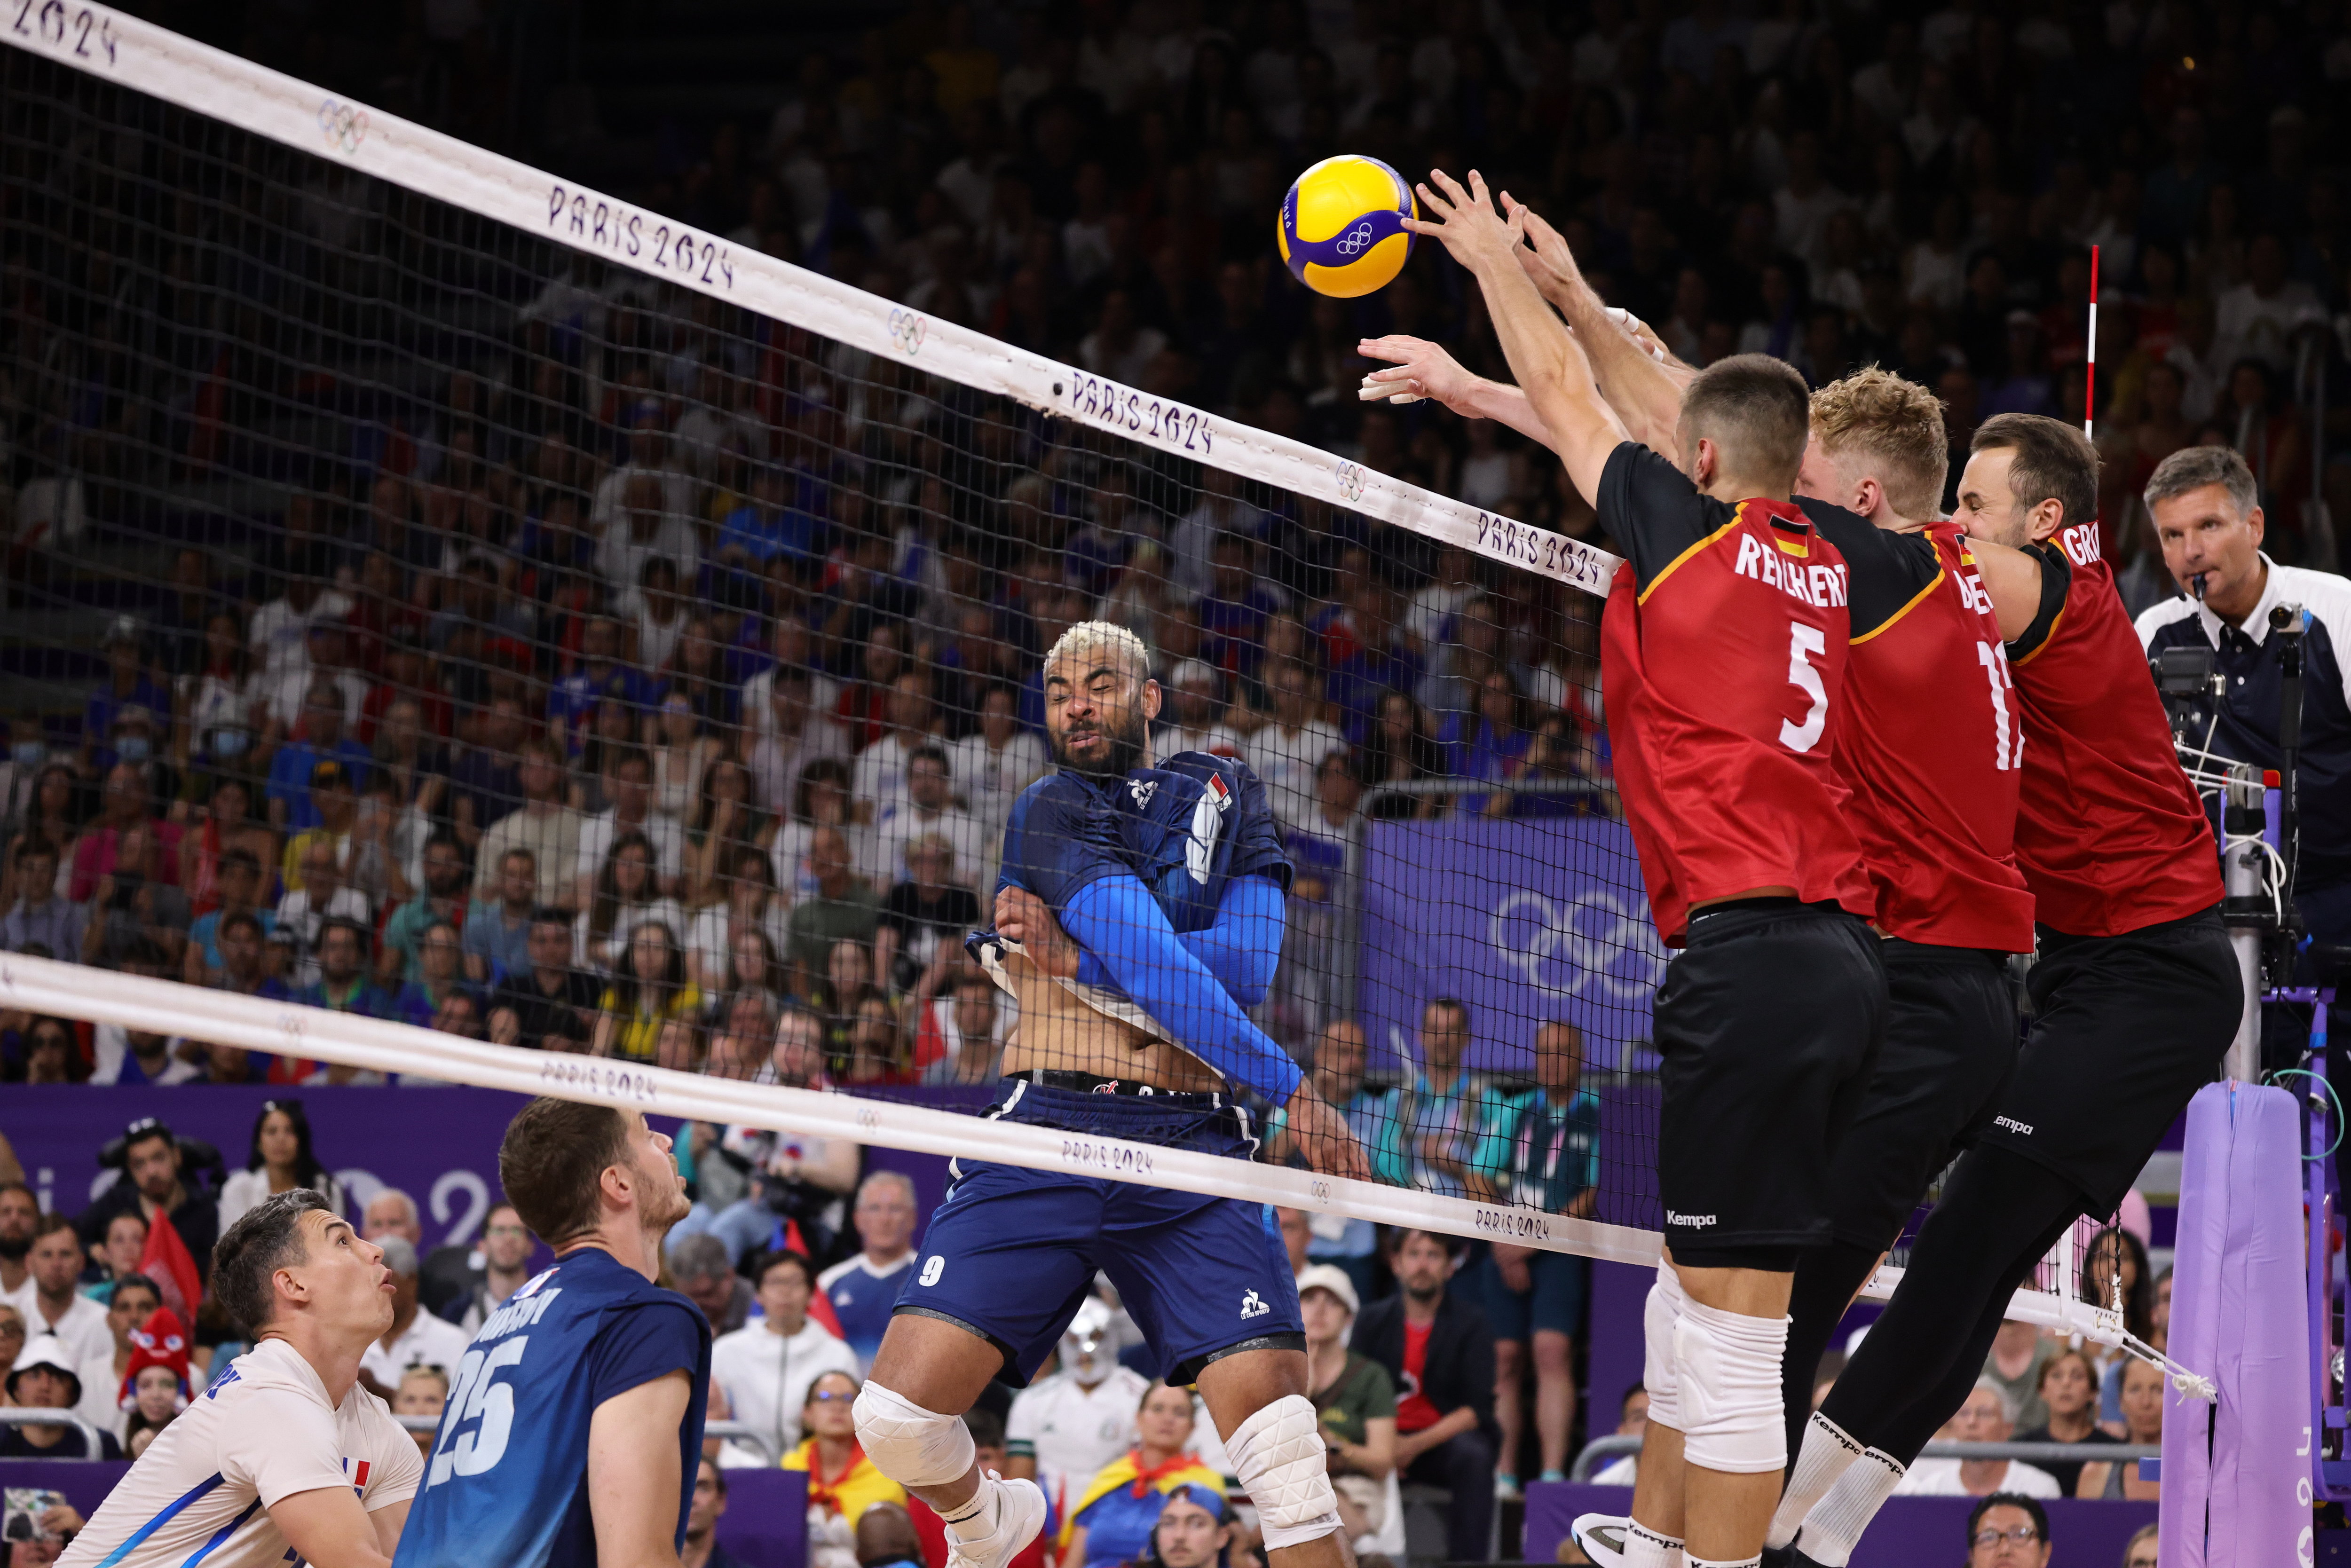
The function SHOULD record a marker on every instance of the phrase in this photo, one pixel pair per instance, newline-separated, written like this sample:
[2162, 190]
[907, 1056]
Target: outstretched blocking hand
[1323, 1135]
[1466, 224]
[1421, 369]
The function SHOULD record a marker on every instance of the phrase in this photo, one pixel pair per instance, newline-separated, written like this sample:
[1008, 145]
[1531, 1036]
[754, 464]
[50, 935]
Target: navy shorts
[1555, 1301]
[1012, 1251]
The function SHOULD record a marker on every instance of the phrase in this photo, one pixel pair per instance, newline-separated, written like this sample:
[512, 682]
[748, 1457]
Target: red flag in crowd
[173, 1267]
[820, 1307]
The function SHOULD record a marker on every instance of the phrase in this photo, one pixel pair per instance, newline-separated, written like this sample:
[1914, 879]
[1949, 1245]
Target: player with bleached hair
[1138, 910]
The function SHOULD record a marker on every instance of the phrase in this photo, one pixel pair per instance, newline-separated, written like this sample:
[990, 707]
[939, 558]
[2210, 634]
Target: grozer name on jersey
[2080, 543]
[1822, 585]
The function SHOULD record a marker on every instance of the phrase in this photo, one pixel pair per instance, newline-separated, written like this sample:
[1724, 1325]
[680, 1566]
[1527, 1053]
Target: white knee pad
[1728, 1367]
[912, 1445]
[1279, 1456]
[1658, 1375]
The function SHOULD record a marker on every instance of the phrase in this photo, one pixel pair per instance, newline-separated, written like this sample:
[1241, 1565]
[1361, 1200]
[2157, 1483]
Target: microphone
[2196, 586]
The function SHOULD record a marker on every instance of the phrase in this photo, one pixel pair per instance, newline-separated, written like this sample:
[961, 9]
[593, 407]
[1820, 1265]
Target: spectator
[842, 908]
[1065, 1427]
[131, 907]
[2141, 1552]
[37, 917]
[280, 1160]
[924, 810]
[2115, 1274]
[822, 802]
[498, 931]
[872, 1051]
[795, 1181]
[547, 1005]
[423, 1391]
[1110, 1521]
[2069, 1391]
[487, 783]
[441, 995]
[1451, 1122]
[52, 1054]
[238, 884]
[157, 1378]
[632, 816]
[626, 894]
[52, 1306]
[1286, 752]
[994, 763]
[750, 916]
[542, 825]
[416, 1337]
[295, 770]
[1439, 1352]
[1372, 1115]
[787, 737]
[228, 825]
[1632, 1421]
[116, 1254]
[1552, 1164]
[44, 1377]
[701, 1516]
[506, 1246]
[863, 1290]
[1195, 1530]
[1398, 750]
[918, 935]
[960, 1038]
[128, 685]
[127, 800]
[771, 1368]
[135, 1300]
[706, 1277]
[842, 1482]
[152, 1185]
[646, 990]
[343, 985]
[2008, 1530]
[135, 1056]
[2019, 1353]
[1357, 1401]
[12, 1332]
[1988, 1417]
[243, 947]
[599, 677]
[306, 912]
[442, 900]
[879, 781]
[2142, 1401]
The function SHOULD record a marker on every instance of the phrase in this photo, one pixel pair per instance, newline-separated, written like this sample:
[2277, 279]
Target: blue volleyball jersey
[507, 1481]
[1186, 828]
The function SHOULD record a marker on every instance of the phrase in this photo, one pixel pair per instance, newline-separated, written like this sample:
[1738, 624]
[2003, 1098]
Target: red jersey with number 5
[2110, 834]
[1930, 742]
[1722, 659]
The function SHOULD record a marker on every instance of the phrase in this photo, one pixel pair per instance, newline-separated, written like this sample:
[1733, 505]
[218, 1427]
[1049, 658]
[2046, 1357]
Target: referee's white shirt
[263, 1431]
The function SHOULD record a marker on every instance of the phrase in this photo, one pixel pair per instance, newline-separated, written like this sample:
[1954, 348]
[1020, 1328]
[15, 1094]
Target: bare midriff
[1060, 1033]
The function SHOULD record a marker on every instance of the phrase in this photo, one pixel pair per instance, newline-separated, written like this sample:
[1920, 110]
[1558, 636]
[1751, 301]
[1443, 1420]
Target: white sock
[981, 1518]
[1644, 1548]
[1828, 1449]
[1836, 1522]
[1754, 1562]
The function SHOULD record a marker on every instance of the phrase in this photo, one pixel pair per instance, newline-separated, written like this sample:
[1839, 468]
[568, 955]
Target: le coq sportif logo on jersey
[1599, 944]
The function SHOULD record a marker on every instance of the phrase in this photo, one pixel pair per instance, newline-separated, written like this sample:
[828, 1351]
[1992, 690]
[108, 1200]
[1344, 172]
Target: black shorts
[1951, 1036]
[1766, 1025]
[2127, 1029]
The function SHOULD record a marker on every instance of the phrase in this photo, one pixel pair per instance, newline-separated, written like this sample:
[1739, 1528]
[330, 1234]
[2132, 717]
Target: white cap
[1332, 1277]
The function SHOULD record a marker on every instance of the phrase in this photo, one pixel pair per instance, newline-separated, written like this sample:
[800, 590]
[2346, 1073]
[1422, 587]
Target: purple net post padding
[2237, 1476]
[1526, 921]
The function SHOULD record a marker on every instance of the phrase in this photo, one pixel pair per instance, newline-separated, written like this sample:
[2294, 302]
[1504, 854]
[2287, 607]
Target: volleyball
[1342, 227]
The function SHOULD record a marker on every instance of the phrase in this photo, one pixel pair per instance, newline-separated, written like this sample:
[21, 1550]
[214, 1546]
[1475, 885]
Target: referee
[2209, 519]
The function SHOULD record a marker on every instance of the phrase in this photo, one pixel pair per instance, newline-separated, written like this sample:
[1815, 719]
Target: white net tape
[122, 49]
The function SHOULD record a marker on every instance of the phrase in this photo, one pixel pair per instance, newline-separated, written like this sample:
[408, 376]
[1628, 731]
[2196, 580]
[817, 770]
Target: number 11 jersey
[1723, 653]
[507, 1481]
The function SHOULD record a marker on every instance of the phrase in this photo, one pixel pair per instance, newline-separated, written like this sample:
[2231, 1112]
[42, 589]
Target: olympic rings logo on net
[907, 329]
[1604, 943]
[343, 125]
[1352, 481]
[1355, 241]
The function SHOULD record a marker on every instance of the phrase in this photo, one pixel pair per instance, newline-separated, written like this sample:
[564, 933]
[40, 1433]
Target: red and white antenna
[2090, 374]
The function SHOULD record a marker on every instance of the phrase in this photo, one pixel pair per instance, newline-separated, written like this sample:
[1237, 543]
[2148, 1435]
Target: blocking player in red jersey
[2135, 997]
[1928, 742]
[1723, 663]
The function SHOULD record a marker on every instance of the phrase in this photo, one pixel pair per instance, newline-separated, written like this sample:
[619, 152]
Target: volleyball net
[403, 521]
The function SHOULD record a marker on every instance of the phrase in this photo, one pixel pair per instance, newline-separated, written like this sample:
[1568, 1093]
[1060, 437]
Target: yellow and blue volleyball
[1342, 227]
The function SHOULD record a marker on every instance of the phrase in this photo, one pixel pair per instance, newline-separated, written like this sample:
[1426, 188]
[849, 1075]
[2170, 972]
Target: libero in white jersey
[285, 1458]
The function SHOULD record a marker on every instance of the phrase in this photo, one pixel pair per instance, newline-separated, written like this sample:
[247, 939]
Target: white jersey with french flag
[263, 1431]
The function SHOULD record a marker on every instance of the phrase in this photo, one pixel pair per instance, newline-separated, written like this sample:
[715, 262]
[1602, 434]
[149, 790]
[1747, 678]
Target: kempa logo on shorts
[1698, 1220]
[2022, 1129]
[1254, 1306]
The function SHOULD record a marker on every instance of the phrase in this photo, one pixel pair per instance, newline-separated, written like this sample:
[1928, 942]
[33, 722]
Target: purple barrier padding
[2240, 1274]
[1619, 1292]
[439, 1146]
[1909, 1532]
[766, 1519]
[1525, 921]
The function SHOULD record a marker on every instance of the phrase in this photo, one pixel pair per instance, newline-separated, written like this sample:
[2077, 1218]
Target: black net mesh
[359, 540]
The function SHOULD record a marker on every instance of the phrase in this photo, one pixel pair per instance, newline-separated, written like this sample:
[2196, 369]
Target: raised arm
[1420, 369]
[1544, 357]
[1646, 393]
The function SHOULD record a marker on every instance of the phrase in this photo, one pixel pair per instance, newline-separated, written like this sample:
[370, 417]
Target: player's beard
[1120, 757]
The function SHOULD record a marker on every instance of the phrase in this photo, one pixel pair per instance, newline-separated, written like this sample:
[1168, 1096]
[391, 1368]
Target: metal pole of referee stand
[2242, 882]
